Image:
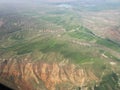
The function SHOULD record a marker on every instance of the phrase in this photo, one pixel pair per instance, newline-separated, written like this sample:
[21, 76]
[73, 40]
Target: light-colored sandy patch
[104, 55]
[112, 63]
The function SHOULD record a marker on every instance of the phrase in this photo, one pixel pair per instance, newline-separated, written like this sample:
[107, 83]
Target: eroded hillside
[24, 74]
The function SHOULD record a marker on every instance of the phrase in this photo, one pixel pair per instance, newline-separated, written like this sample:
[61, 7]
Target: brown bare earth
[104, 23]
[24, 73]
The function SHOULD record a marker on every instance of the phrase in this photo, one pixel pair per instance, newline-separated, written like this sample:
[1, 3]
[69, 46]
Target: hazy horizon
[12, 1]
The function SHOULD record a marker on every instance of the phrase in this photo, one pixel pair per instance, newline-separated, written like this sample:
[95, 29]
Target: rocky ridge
[25, 74]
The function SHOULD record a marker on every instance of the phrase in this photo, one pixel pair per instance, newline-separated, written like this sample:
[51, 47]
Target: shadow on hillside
[3, 87]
